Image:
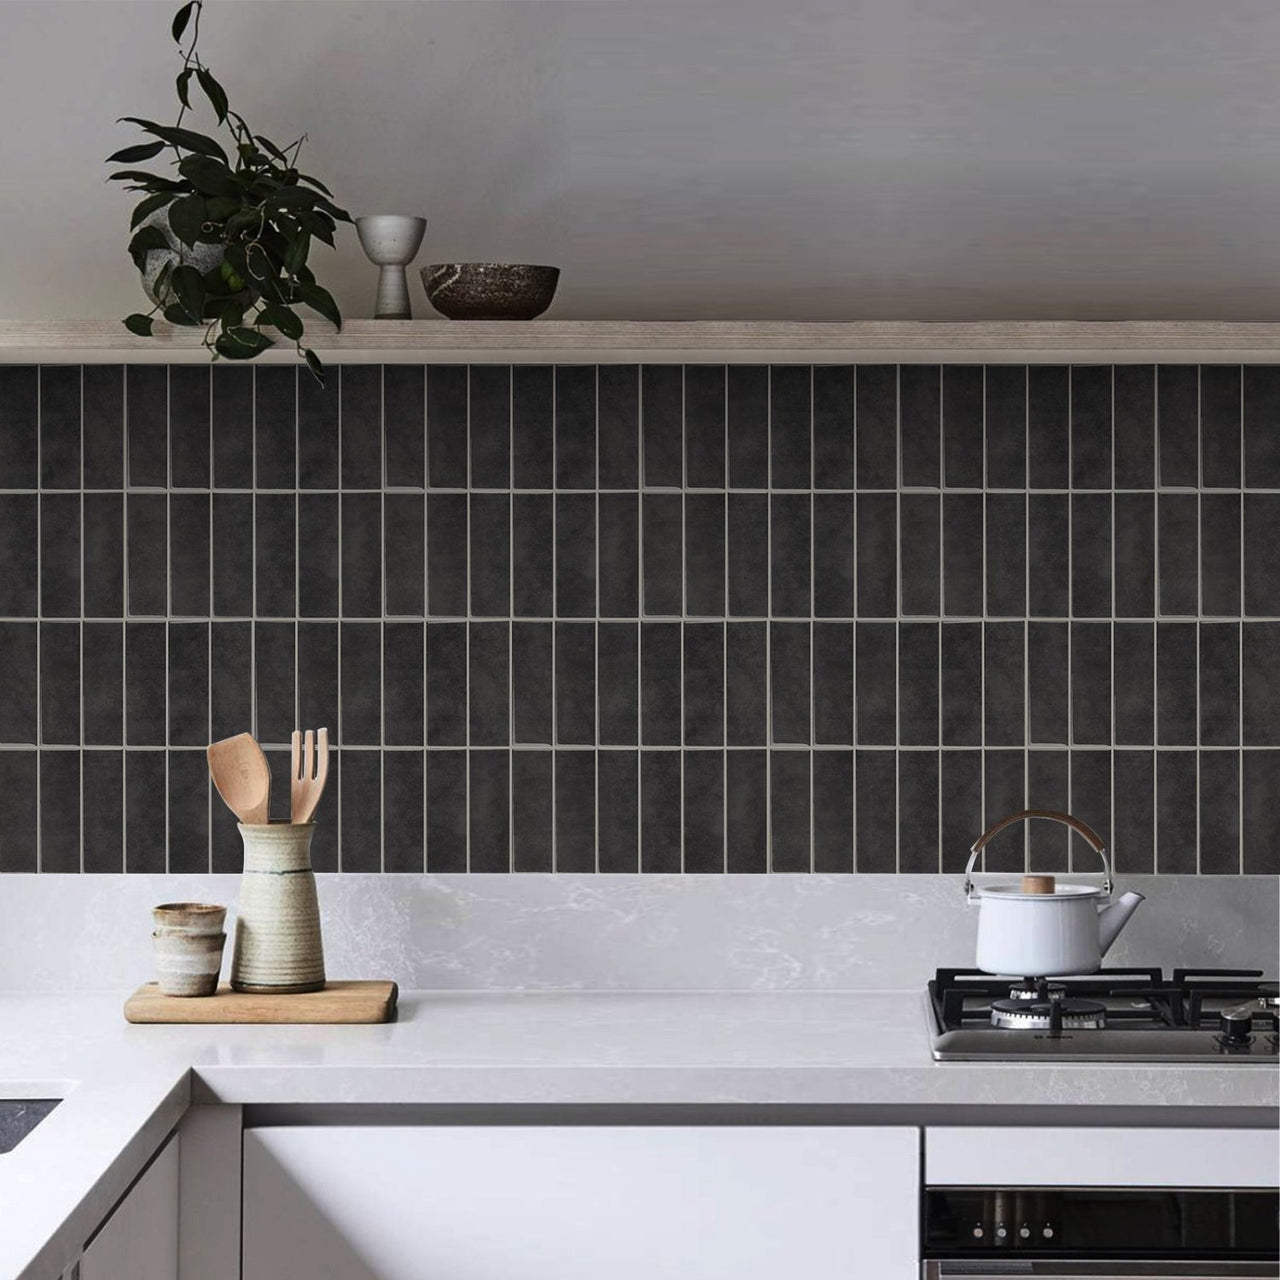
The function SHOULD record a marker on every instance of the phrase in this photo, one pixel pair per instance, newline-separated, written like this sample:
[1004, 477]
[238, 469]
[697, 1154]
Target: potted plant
[225, 239]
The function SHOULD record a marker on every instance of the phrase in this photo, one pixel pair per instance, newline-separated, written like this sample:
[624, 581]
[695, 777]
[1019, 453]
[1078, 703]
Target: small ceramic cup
[188, 917]
[188, 941]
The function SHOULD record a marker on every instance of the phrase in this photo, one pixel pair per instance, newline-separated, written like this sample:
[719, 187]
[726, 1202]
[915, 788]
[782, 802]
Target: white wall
[725, 158]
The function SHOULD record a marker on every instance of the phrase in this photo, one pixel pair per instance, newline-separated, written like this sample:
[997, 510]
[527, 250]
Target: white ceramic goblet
[391, 241]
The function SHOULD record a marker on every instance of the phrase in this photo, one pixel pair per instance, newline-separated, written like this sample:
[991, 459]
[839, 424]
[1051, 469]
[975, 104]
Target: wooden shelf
[749, 341]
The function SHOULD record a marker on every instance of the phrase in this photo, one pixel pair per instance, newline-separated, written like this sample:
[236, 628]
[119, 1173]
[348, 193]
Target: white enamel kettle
[1037, 928]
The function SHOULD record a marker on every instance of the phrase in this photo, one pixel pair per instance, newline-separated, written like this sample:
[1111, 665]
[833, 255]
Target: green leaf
[189, 286]
[145, 208]
[131, 155]
[319, 299]
[139, 324]
[144, 242]
[180, 20]
[181, 83]
[187, 218]
[245, 220]
[156, 180]
[313, 363]
[293, 198]
[214, 92]
[185, 138]
[295, 256]
[334, 211]
[220, 208]
[227, 346]
[230, 278]
[270, 147]
[208, 175]
[314, 182]
[177, 314]
[281, 317]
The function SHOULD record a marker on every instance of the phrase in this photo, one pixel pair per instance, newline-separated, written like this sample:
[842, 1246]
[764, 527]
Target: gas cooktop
[1114, 1015]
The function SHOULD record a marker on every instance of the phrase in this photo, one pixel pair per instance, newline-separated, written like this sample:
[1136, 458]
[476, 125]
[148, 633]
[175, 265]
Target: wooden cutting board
[338, 1002]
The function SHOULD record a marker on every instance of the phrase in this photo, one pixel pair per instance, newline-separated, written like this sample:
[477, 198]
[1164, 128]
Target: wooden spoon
[240, 772]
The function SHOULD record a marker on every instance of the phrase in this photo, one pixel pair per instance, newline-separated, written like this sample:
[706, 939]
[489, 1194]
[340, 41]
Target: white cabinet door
[140, 1239]
[581, 1203]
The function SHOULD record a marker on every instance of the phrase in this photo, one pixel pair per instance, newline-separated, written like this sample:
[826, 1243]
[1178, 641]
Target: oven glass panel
[1085, 1222]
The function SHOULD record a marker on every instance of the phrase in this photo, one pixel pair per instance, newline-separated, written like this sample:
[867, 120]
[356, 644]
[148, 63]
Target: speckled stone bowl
[490, 290]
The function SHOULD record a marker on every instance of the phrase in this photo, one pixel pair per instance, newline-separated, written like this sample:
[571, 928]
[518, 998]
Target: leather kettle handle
[1081, 828]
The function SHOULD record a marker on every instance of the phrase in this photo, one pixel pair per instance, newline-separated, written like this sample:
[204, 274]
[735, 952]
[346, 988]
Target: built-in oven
[1161, 1233]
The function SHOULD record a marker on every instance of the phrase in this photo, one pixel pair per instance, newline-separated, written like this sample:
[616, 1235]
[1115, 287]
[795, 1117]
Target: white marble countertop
[125, 1087]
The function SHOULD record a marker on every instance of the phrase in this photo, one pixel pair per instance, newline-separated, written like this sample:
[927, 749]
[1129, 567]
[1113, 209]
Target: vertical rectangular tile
[746, 812]
[789, 811]
[876, 426]
[618, 425]
[360, 420]
[1048, 665]
[21, 680]
[447, 550]
[274, 660]
[1176, 684]
[575, 392]
[531, 808]
[19, 427]
[619, 555]
[59, 426]
[404, 551]
[1220, 554]
[918, 811]
[60, 555]
[918, 666]
[1219, 813]
[660, 684]
[1179, 557]
[576, 683]
[962, 426]
[662, 517]
[102, 444]
[1176, 813]
[833, 554]
[1090, 802]
[1004, 784]
[1091, 682]
[1135, 671]
[833, 683]
[920, 411]
[147, 424]
[703, 684]
[446, 811]
[188, 684]
[19, 556]
[446, 649]
[1006, 554]
[360, 807]
[360, 656]
[489, 389]
[1260, 833]
[145, 812]
[960, 792]
[188, 813]
[1048, 543]
[1135, 555]
[876, 811]
[1048, 787]
[1003, 683]
[704, 847]
[491, 555]
[362, 555]
[962, 552]
[403, 813]
[404, 682]
[618, 682]
[833, 427]
[1134, 388]
[190, 417]
[877, 545]
[659, 811]
[318, 668]
[1261, 564]
[18, 808]
[531, 550]
[318, 522]
[704, 560]
[146, 514]
[790, 682]
[1091, 427]
[189, 555]
[618, 783]
[746, 684]
[1220, 684]
[790, 426]
[275, 423]
[144, 656]
[231, 401]
[405, 432]
[102, 784]
[1220, 425]
[1261, 413]
[1006, 426]
[447, 426]
[60, 811]
[490, 811]
[318, 408]
[875, 683]
[748, 556]
[832, 812]
[232, 554]
[961, 684]
[60, 683]
[532, 427]
[531, 682]
[661, 411]
[790, 580]
[1177, 421]
[103, 545]
[1260, 668]
[1048, 432]
[575, 555]
[1090, 555]
[920, 554]
[275, 517]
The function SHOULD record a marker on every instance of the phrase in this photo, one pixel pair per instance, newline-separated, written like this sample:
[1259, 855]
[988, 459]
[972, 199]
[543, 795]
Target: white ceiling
[732, 159]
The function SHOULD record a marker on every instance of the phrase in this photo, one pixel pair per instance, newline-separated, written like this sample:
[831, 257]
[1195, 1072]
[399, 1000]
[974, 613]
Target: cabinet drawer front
[982, 1157]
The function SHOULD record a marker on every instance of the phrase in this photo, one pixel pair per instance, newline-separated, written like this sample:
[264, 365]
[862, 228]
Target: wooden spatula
[308, 774]
[240, 772]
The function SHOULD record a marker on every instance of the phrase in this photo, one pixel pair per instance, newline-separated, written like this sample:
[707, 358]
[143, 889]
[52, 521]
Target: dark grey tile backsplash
[645, 618]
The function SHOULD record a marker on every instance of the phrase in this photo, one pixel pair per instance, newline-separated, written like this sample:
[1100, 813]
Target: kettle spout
[1114, 918]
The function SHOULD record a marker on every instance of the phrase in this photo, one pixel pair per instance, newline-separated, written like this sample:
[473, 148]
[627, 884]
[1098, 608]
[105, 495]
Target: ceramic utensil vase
[278, 948]
[391, 242]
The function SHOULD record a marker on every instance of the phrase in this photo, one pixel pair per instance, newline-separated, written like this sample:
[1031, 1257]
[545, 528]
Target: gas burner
[1037, 989]
[1025, 1013]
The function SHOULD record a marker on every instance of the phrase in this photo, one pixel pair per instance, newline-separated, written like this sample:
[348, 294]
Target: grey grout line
[39, 431]
[382, 629]
[1155, 629]
[39, 833]
[511, 603]
[168, 592]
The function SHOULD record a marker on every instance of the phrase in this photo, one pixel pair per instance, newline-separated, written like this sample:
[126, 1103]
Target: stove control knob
[978, 1233]
[1235, 1028]
[1047, 1232]
[1024, 1232]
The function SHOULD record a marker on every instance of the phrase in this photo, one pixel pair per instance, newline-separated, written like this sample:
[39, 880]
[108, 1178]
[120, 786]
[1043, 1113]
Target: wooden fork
[310, 768]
